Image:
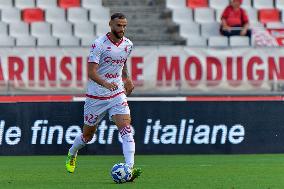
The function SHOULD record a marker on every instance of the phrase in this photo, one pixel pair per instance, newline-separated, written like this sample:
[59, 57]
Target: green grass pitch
[159, 171]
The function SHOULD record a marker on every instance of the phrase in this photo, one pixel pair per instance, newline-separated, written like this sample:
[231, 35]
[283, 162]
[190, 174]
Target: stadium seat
[84, 29]
[218, 41]
[219, 4]
[40, 29]
[239, 41]
[196, 41]
[182, 15]
[25, 41]
[7, 41]
[101, 29]
[47, 41]
[252, 15]
[269, 15]
[11, 15]
[46, 4]
[98, 15]
[86, 41]
[210, 29]
[173, 4]
[282, 16]
[275, 25]
[4, 4]
[219, 13]
[256, 25]
[23, 4]
[18, 29]
[100, 18]
[77, 15]
[263, 4]
[203, 15]
[197, 3]
[33, 15]
[3, 28]
[91, 3]
[69, 41]
[246, 4]
[55, 15]
[61, 29]
[279, 4]
[69, 3]
[189, 29]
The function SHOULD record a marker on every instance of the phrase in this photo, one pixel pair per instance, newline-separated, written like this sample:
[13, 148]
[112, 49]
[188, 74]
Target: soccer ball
[120, 173]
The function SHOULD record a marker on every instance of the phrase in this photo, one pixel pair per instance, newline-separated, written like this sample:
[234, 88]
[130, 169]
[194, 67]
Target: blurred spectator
[234, 20]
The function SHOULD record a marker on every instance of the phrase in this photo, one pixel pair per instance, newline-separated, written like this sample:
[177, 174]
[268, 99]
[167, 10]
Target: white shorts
[96, 109]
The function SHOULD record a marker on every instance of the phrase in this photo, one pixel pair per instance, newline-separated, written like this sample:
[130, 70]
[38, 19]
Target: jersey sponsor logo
[114, 62]
[111, 76]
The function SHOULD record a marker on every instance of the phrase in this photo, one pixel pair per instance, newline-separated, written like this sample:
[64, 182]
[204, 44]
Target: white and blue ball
[120, 173]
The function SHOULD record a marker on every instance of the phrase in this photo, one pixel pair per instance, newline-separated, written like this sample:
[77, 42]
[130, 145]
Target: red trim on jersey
[116, 44]
[104, 97]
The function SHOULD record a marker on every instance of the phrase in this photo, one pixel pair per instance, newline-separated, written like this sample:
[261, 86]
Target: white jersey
[111, 58]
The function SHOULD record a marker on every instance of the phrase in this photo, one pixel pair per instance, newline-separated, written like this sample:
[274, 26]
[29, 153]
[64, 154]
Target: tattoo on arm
[125, 73]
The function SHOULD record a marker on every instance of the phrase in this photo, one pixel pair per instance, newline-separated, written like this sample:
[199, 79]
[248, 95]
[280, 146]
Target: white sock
[78, 144]
[128, 145]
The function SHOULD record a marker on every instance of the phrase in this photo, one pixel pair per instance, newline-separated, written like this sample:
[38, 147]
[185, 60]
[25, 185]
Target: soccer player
[109, 84]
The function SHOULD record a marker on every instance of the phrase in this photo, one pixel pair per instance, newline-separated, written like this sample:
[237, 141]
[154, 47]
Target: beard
[118, 35]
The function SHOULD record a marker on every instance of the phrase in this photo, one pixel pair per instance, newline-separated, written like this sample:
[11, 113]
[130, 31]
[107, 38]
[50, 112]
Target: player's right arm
[93, 75]
[93, 65]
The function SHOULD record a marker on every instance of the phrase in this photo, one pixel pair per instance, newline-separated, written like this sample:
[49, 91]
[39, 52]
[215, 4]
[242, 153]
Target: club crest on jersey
[93, 46]
[126, 49]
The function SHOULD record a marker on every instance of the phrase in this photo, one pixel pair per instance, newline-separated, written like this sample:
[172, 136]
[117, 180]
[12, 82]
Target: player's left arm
[128, 84]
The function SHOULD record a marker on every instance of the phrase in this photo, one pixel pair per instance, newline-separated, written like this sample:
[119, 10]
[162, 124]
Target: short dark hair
[118, 15]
